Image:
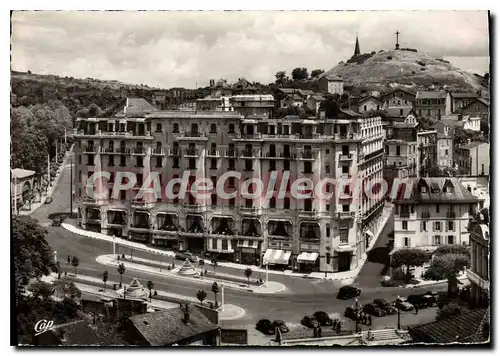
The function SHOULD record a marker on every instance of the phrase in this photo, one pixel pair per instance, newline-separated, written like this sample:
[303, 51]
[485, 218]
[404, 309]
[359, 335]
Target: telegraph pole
[71, 189]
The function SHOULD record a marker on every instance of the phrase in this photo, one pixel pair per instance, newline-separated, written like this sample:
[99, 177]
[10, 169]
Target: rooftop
[464, 328]
[20, 173]
[465, 95]
[472, 145]
[167, 327]
[431, 95]
[435, 191]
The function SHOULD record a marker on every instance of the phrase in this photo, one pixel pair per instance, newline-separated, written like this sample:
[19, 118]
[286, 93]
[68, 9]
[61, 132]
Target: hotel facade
[304, 234]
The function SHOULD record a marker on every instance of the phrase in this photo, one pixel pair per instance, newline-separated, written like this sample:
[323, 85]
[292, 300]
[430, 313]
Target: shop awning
[344, 248]
[305, 257]
[218, 246]
[369, 233]
[279, 257]
[248, 243]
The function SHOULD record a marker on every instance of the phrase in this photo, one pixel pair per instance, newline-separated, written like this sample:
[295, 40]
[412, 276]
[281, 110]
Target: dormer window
[423, 189]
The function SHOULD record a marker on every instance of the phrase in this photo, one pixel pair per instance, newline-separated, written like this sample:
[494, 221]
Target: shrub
[373, 52]
[422, 68]
[444, 266]
[412, 72]
[457, 249]
[448, 310]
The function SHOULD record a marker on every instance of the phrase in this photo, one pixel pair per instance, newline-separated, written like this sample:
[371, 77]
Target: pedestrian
[319, 331]
[334, 324]
[338, 327]
[369, 320]
[416, 309]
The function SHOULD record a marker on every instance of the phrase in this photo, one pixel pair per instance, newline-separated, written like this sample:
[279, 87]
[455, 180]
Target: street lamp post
[356, 311]
[399, 314]
[71, 188]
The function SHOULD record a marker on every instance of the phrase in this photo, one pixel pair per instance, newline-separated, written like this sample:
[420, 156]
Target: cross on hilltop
[397, 39]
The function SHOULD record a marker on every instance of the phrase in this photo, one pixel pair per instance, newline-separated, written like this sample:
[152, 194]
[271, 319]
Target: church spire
[357, 52]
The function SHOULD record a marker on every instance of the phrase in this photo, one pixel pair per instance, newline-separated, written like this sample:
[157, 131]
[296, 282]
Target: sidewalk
[51, 188]
[272, 287]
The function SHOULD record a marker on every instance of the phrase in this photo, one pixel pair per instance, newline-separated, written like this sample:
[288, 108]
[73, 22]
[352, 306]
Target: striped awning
[218, 246]
[248, 243]
[279, 257]
[307, 257]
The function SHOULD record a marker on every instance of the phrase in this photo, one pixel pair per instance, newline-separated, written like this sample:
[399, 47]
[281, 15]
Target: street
[303, 296]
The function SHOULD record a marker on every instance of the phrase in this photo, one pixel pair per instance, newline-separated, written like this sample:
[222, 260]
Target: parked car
[403, 304]
[281, 325]
[372, 309]
[392, 283]
[348, 292]
[385, 306]
[265, 326]
[417, 300]
[350, 313]
[57, 221]
[309, 321]
[431, 298]
[323, 318]
[186, 255]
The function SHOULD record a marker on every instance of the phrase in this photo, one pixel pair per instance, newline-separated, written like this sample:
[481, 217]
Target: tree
[41, 290]
[248, 274]
[214, 263]
[150, 286]
[457, 249]
[201, 295]
[75, 261]
[331, 107]
[444, 266]
[316, 72]
[300, 74]
[448, 310]
[105, 277]
[409, 257]
[121, 271]
[215, 290]
[280, 77]
[33, 257]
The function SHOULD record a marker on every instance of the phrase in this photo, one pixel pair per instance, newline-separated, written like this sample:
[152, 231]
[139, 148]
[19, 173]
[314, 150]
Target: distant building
[369, 103]
[477, 108]
[314, 102]
[220, 88]
[426, 152]
[137, 107]
[160, 99]
[242, 87]
[461, 100]
[75, 333]
[398, 98]
[432, 104]
[21, 186]
[172, 327]
[478, 273]
[252, 105]
[473, 159]
[331, 85]
[445, 133]
[479, 187]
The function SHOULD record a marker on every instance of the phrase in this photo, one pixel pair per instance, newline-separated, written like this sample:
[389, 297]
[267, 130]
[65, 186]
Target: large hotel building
[304, 234]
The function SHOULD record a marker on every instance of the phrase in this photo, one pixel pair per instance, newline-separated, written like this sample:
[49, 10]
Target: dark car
[392, 283]
[309, 321]
[265, 326]
[323, 318]
[403, 304]
[372, 309]
[417, 300]
[385, 306]
[57, 221]
[431, 298]
[348, 292]
[186, 255]
[281, 325]
[350, 313]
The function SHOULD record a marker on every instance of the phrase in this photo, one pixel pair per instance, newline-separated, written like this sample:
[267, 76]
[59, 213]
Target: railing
[274, 154]
[93, 201]
[345, 157]
[172, 152]
[426, 214]
[213, 153]
[192, 134]
[158, 152]
[345, 215]
[191, 152]
[113, 133]
[404, 214]
[450, 215]
[194, 207]
[139, 151]
[248, 153]
[142, 204]
[308, 213]
[306, 155]
[231, 153]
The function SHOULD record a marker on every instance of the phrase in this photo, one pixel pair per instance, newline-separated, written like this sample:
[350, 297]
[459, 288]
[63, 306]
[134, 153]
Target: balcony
[172, 152]
[192, 136]
[213, 153]
[140, 227]
[404, 214]
[306, 155]
[231, 153]
[477, 280]
[113, 134]
[307, 213]
[93, 201]
[194, 208]
[276, 155]
[142, 204]
[191, 152]
[345, 215]
[345, 157]
[249, 154]
[248, 210]
[158, 152]
[89, 149]
[425, 215]
[139, 151]
[451, 215]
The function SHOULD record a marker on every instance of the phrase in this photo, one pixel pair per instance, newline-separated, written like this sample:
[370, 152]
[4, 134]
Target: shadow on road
[379, 255]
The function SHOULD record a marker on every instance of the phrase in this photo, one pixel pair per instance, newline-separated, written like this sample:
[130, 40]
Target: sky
[188, 48]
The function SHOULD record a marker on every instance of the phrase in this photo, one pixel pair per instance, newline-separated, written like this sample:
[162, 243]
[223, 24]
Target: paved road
[303, 296]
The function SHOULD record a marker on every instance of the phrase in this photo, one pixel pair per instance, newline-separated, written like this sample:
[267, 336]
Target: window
[213, 199]
[111, 161]
[437, 208]
[344, 235]
[175, 163]
[406, 241]
[424, 225]
[213, 163]
[327, 151]
[214, 244]
[139, 161]
[139, 180]
[158, 161]
[364, 108]
[437, 240]
[192, 163]
[286, 203]
[158, 127]
[225, 245]
[328, 207]
[307, 167]
[272, 165]
[345, 208]
[286, 165]
[451, 226]
[308, 204]
[327, 230]
[272, 203]
[123, 161]
[123, 194]
[327, 169]
[248, 165]
[437, 226]
[231, 128]
[176, 128]
[232, 201]
[90, 160]
[345, 169]
[248, 203]
[401, 112]
[398, 150]
[213, 128]
[232, 164]
[446, 152]
[230, 182]
[404, 225]
[423, 189]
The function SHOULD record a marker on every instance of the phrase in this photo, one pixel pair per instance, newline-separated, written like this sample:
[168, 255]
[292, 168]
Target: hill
[404, 68]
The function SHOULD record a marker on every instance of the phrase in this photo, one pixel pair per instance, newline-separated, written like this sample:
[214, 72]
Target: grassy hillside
[407, 68]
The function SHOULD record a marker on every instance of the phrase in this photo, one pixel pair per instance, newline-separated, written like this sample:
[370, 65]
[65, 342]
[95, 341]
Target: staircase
[383, 337]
